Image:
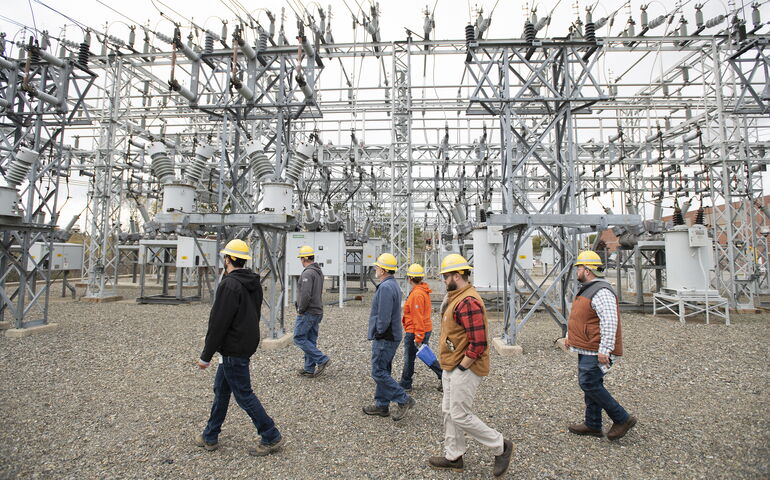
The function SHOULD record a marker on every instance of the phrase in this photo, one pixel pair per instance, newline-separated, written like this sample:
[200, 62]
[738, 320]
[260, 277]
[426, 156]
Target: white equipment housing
[488, 270]
[277, 197]
[329, 254]
[178, 197]
[689, 258]
[189, 255]
[64, 257]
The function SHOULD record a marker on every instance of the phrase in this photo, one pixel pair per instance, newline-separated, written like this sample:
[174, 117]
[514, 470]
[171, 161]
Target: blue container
[425, 354]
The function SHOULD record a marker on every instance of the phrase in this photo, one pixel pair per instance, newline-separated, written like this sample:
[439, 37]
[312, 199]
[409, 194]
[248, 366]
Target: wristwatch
[460, 366]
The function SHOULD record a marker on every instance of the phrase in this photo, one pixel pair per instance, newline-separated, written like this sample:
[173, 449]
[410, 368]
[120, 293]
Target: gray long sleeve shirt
[311, 284]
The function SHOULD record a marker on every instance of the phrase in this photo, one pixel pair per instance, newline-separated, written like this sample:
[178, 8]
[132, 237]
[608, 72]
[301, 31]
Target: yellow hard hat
[589, 258]
[306, 251]
[454, 262]
[415, 270]
[236, 248]
[387, 261]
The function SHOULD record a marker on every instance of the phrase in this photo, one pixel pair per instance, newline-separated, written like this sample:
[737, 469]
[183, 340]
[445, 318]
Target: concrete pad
[5, 325]
[276, 343]
[506, 350]
[114, 298]
[26, 332]
[747, 310]
[560, 343]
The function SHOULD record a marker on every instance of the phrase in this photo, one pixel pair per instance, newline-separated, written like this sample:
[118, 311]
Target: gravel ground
[114, 394]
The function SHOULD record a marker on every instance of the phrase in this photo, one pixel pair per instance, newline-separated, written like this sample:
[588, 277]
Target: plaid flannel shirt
[470, 315]
[606, 308]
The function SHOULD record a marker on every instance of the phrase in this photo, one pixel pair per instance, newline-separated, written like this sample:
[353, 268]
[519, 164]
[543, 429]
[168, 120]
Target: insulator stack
[262, 44]
[297, 162]
[164, 38]
[19, 169]
[257, 160]
[678, 217]
[591, 32]
[202, 155]
[715, 21]
[162, 166]
[34, 55]
[84, 55]
[470, 34]
[208, 45]
[529, 32]
[700, 216]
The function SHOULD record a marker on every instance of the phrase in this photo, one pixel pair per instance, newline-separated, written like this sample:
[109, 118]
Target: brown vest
[583, 324]
[452, 332]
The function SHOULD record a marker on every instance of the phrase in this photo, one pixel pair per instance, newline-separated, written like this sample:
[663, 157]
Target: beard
[451, 286]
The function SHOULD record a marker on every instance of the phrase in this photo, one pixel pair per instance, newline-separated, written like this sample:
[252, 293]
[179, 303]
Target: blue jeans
[233, 377]
[387, 390]
[410, 351]
[306, 338]
[597, 398]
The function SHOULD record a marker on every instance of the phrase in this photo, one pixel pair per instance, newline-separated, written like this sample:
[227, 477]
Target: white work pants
[459, 392]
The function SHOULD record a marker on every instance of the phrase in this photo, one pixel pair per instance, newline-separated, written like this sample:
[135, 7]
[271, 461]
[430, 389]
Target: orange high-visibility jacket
[417, 310]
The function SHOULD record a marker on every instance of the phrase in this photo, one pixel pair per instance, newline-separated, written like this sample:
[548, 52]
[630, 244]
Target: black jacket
[311, 284]
[234, 319]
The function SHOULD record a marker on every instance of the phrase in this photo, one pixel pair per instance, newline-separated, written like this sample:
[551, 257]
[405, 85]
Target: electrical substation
[137, 140]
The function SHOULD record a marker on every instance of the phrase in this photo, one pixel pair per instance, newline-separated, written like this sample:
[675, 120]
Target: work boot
[209, 447]
[375, 410]
[304, 373]
[263, 449]
[441, 463]
[320, 368]
[504, 459]
[402, 409]
[618, 430]
[583, 429]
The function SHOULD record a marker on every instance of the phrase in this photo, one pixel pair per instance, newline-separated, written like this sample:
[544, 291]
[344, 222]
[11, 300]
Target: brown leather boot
[441, 463]
[583, 429]
[618, 430]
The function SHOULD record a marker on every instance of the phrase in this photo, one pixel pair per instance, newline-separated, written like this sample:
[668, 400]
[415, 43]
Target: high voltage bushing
[470, 34]
[203, 154]
[591, 32]
[259, 164]
[162, 166]
[208, 43]
[297, 161]
[20, 167]
[529, 32]
[262, 45]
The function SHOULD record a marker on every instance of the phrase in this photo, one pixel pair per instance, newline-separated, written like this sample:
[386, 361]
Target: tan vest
[453, 333]
[583, 324]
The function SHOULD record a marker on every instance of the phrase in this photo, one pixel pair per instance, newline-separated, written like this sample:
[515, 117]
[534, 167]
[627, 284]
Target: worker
[593, 332]
[233, 331]
[309, 314]
[417, 324]
[464, 357]
[385, 334]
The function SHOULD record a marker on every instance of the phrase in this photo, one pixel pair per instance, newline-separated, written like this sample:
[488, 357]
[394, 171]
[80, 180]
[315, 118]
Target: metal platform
[686, 304]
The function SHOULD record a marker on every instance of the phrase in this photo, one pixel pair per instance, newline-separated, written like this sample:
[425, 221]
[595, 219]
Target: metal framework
[538, 135]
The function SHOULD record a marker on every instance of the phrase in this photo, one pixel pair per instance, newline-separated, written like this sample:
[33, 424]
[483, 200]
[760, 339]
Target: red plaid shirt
[470, 315]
